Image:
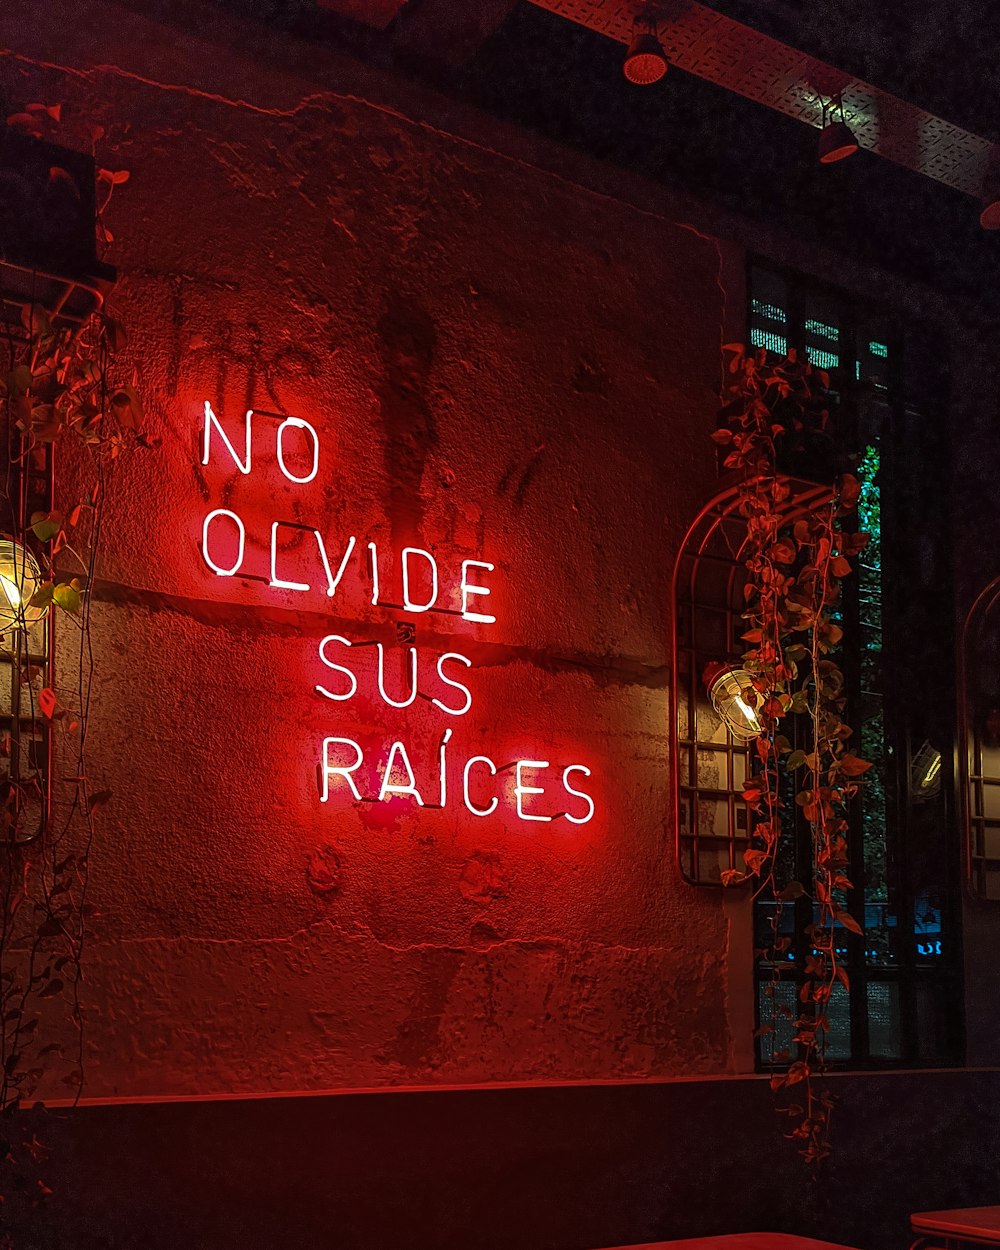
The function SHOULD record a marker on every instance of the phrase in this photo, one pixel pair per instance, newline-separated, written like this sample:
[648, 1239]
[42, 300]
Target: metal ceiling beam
[450, 31]
[725, 52]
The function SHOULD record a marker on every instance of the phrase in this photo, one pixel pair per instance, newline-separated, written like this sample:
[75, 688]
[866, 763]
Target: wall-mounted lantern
[20, 578]
[715, 708]
[49, 261]
[25, 637]
[736, 699]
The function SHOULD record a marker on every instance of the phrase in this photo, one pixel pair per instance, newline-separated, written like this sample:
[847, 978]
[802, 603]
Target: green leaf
[792, 891]
[128, 406]
[33, 317]
[795, 760]
[849, 923]
[19, 380]
[45, 525]
[67, 597]
[42, 596]
[117, 337]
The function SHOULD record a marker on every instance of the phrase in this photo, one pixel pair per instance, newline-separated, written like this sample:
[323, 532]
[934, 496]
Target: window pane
[883, 1020]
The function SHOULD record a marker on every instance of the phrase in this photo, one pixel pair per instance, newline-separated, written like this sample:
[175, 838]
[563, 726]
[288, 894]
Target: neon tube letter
[333, 582]
[478, 811]
[388, 787]
[578, 768]
[337, 668]
[381, 676]
[454, 655]
[217, 568]
[297, 424]
[329, 770]
[442, 771]
[469, 588]
[408, 604]
[210, 420]
[373, 560]
[520, 789]
[275, 579]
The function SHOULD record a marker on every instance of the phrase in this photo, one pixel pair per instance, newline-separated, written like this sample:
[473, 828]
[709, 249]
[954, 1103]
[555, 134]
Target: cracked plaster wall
[501, 363]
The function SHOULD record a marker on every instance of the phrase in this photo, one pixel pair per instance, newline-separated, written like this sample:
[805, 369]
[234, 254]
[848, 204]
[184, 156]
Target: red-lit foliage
[796, 561]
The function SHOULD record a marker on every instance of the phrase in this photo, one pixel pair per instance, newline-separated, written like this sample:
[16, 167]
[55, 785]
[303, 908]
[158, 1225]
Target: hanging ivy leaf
[66, 596]
[45, 525]
[98, 800]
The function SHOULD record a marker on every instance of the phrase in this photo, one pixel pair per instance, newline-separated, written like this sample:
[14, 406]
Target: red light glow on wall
[300, 560]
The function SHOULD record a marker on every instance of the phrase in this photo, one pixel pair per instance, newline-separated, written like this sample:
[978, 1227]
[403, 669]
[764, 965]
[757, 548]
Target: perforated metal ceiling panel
[753, 65]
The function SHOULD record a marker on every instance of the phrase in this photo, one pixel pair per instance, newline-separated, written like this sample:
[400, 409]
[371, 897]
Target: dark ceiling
[939, 54]
[564, 81]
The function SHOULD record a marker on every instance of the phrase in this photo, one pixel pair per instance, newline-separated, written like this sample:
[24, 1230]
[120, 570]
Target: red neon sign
[542, 792]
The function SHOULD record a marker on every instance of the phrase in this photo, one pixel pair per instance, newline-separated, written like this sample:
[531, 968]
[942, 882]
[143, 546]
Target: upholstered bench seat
[740, 1241]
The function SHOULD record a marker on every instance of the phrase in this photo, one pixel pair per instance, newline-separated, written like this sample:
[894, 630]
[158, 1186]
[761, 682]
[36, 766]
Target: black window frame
[922, 843]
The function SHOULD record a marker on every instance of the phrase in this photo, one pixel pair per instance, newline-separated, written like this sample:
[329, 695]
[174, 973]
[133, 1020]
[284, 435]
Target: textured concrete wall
[501, 365]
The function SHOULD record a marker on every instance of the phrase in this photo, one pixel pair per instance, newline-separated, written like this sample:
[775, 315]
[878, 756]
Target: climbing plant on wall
[796, 559]
[65, 392]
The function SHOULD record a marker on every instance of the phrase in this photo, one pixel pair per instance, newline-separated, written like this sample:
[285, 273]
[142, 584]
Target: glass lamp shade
[644, 61]
[836, 142]
[20, 577]
[735, 697]
[925, 772]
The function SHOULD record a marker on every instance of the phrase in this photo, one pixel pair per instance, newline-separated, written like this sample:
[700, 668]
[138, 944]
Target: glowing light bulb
[20, 577]
[11, 591]
[731, 693]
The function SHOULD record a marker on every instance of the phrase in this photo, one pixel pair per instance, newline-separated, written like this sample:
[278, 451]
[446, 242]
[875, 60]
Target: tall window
[887, 407]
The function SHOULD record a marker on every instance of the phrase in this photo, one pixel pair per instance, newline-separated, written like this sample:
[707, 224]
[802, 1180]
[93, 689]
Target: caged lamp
[735, 698]
[20, 578]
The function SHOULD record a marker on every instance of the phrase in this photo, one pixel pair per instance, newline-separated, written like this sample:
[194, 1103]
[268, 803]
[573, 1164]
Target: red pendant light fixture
[836, 142]
[645, 60]
[989, 217]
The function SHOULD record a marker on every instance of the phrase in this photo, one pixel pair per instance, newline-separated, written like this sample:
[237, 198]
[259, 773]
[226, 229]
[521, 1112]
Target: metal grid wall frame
[709, 765]
[26, 656]
[979, 742]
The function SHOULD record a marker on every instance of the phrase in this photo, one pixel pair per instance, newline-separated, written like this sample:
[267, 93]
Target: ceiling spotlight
[645, 61]
[837, 141]
[989, 218]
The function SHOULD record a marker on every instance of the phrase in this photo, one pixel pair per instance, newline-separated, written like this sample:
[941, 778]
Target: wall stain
[408, 341]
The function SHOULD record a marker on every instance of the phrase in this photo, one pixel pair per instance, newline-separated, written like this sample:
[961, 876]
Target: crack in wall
[276, 622]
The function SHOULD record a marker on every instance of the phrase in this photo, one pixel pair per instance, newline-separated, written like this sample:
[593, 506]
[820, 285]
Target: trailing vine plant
[796, 560]
[62, 387]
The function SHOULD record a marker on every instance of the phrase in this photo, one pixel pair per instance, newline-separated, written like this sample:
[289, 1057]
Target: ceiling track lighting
[836, 141]
[645, 61]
